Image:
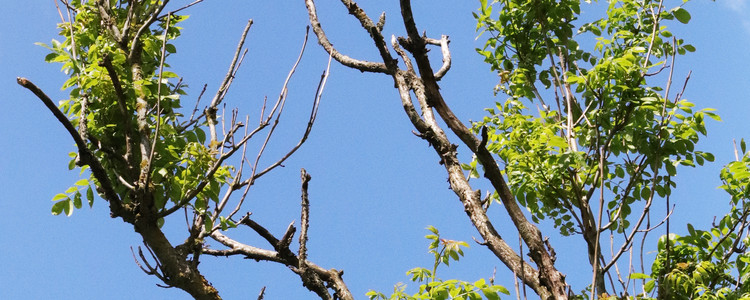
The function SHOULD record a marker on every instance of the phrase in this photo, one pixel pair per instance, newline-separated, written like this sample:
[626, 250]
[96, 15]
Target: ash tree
[151, 163]
[587, 138]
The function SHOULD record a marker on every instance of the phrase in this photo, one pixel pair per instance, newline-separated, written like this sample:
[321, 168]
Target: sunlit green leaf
[681, 15]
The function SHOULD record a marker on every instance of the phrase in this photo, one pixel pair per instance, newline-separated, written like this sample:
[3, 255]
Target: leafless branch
[552, 280]
[224, 86]
[443, 43]
[424, 85]
[237, 248]
[310, 122]
[148, 269]
[193, 119]
[181, 8]
[342, 58]
[304, 218]
[313, 277]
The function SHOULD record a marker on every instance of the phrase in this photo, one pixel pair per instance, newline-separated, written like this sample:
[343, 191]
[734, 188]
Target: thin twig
[181, 8]
[313, 114]
[158, 100]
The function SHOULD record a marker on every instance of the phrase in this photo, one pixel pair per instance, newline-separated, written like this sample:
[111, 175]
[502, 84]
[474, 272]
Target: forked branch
[314, 277]
[422, 82]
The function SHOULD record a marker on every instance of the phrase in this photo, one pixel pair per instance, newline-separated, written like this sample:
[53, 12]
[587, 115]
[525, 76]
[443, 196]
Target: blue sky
[375, 186]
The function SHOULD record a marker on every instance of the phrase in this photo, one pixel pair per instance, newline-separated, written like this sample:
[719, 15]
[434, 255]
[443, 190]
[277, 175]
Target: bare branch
[549, 278]
[304, 219]
[237, 248]
[443, 43]
[181, 8]
[224, 86]
[321, 278]
[286, 239]
[310, 122]
[192, 119]
[427, 91]
[361, 65]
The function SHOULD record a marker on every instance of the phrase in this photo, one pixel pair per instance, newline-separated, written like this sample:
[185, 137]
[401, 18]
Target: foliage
[586, 139]
[603, 135]
[714, 263]
[606, 111]
[147, 159]
[105, 110]
[435, 288]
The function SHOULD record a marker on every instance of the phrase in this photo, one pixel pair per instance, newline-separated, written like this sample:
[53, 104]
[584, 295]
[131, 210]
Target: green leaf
[433, 229]
[168, 74]
[77, 200]
[453, 255]
[82, 182]
[224, 226]
[71, 190]
[681, 15]
[208, 223]
[480, 283]
[59, 197]
[708, 156]
[201, 135]
[170, 48]
[649, 286]
[50, 57]
[58, 207]
[639, 276]
[69, 208]
[90, 196]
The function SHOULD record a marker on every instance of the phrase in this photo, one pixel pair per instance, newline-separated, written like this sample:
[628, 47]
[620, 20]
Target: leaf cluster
[435, 288]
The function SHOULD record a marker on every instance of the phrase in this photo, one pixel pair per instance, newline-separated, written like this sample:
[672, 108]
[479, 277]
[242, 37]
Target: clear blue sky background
[375, 186]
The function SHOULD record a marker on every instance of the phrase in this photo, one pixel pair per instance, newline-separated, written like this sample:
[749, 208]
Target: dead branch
[361, 65]
[424, 85]
[308, 129]
[443, 43]
[304, 218]
[225, 84]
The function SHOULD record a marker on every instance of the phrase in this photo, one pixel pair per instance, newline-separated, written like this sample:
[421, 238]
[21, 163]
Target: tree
[593, 160]
[148, 161]
[593, 163]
